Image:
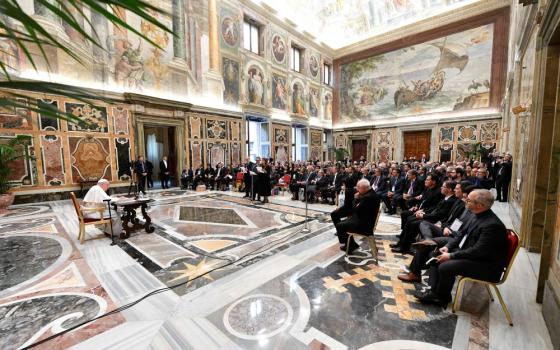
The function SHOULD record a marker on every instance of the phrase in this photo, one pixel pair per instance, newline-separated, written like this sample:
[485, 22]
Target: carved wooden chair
[83, 222]
[370, 238]
[513, 248]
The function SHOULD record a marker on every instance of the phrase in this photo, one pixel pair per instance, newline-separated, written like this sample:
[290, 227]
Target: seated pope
[95, 197]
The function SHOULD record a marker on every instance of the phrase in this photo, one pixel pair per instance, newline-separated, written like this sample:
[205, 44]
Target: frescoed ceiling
[339, 23]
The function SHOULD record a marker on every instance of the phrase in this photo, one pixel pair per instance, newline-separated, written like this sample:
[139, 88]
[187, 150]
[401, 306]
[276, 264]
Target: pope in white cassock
[97, 194]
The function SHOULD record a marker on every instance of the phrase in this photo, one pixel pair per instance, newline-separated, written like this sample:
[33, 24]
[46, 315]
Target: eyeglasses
[468, 200]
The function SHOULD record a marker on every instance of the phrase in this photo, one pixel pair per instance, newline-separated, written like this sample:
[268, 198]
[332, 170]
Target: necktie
[411, 188]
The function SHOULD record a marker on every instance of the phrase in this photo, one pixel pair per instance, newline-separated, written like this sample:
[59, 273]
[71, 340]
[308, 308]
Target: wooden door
[359, 149]
[417, 143]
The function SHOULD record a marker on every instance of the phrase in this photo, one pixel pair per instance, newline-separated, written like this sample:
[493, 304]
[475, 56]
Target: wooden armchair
[80, 211]
[370, 238]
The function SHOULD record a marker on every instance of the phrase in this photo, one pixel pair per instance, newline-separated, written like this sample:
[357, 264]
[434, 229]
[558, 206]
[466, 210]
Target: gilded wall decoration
[279, 91]
[53, 160]
[90, 158]
[230, 69]
[315, 153]
[92, 118]
[467, 133]
[383, 144]
[48, 123]
[442, 75]
[489, 131]
[122, 146]
[281, 135]
[16, 118]
[196, 127]
[340, 141]
[255, 86]
[298, 99]
[120, 117]
[314, 102]
[384, 154]
[216, 129]
[316, 137]
[446, 134]
[235, 131]
[446, 152]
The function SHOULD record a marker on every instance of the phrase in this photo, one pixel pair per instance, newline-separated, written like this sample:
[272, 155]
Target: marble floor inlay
[246, 276]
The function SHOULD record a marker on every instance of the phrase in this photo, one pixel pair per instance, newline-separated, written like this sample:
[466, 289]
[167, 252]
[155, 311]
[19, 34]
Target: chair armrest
[92, 210]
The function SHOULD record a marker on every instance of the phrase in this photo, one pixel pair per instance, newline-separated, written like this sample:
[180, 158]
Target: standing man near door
[142, 173]
[164, 172]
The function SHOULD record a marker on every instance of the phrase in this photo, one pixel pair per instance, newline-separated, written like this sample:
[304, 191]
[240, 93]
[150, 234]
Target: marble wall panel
[236, 153]
[195, 127]
[316, 137]
[122, 146]
[217, 153]
[47, 123]
[53, 160]
[235, 131]
[216, 129]
[196, 154]
[90, 158]
[467, 133]
[120, 117]
[16, 118]
[92, 118]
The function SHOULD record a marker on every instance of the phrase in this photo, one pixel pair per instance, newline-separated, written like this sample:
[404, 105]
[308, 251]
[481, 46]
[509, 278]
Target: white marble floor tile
[129, 335]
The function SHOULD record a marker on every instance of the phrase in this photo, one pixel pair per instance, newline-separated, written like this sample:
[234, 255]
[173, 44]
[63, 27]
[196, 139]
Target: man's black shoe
[400, 250]
[432, 298]
[394, 245]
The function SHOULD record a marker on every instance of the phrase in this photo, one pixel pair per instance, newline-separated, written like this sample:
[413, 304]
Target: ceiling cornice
[450, 17]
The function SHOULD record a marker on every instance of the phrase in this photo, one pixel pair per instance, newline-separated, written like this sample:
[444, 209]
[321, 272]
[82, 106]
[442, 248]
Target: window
[258, 142]
[299, 143]
[296, 57]
[251, 34]
[324, 137]
[327, 74]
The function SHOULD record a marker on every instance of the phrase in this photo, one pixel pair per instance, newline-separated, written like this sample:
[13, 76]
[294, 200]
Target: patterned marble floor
[274, 285]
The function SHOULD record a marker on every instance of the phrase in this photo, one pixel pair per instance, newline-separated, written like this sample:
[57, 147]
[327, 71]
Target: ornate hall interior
[259, 174]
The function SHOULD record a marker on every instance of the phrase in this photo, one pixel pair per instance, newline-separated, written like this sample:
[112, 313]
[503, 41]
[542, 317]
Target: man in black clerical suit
[395, 189]
[164, 172]
[481, 180]
[503, 178]
[362, 217]
[309, 176]
[149, 171]
[198, 176]
[410, 219]
[379, 183]
[141, 173]
[480, 252]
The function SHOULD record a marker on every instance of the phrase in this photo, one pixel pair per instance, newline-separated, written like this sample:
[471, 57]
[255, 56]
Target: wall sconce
[518, 109]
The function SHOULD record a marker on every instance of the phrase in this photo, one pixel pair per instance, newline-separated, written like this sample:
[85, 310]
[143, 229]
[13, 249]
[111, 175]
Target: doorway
[417, 143]
[257, 137]
[359, 149]
[161, 141]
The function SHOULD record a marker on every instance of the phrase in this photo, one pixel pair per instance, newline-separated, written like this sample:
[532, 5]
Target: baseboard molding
[551, 314]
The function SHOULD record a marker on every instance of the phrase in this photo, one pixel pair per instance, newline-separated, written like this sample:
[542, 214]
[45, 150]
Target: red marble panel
[53, 166]
[90, 158]
[120, 118]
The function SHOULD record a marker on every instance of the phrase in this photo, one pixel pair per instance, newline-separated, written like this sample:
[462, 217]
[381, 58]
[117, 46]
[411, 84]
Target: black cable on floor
[157, 291]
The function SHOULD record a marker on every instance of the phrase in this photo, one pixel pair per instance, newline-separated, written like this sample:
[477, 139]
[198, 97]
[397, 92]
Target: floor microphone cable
[161, 290]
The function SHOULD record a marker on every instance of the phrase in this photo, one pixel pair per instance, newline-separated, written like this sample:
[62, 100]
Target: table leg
[127, 218]
[147, 226]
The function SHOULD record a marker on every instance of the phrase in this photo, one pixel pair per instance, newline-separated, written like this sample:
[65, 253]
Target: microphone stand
[111, 219]
[306, 194]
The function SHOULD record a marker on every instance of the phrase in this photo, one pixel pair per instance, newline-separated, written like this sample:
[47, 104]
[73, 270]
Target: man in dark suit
[410, 219]
[333, 186]
[141, 172]
[480, 252]
[412, 189]
[395, 189]
[164, 172]
[149, 171]
[222, 177]
[198, 176]
[363, 215]
[187, 177]
[503, 178]
[247, 178]
[481, 180]
[344, 210]
[308, 177]
[379, 183]
[450, 228]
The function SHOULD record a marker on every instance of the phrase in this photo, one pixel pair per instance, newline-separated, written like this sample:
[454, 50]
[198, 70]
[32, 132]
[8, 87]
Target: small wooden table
[128, 217]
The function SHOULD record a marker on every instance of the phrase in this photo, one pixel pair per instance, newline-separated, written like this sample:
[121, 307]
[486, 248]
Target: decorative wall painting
[230, 69]
[313, 102]
[314, 66]
[230, 31]
[255, 86]
[278, 91]
[445, 74]
[278, 49]
[298, 99]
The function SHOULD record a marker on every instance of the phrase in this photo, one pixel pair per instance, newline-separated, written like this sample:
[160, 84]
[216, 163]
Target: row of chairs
[513, 248]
